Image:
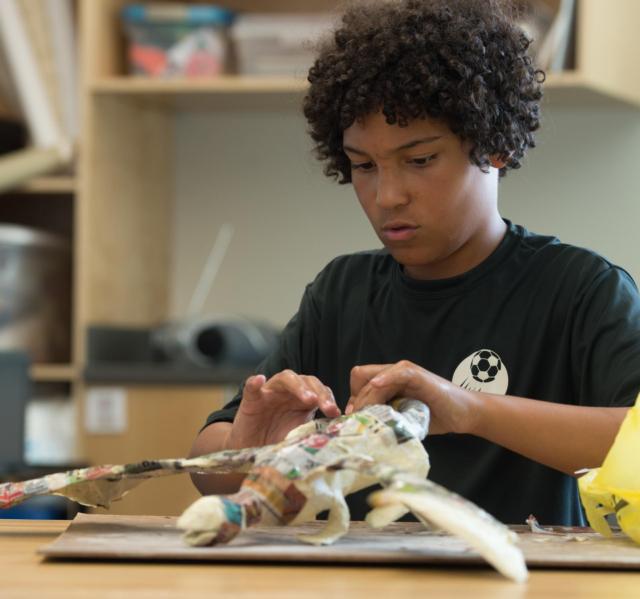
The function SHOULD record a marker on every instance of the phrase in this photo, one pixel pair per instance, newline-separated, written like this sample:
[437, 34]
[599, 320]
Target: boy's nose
[390, 192]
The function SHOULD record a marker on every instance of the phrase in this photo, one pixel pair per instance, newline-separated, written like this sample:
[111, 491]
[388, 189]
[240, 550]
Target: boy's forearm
[564, 437]
[213, 438]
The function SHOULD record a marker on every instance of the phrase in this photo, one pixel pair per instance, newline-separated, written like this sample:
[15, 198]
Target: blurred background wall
[582, 183]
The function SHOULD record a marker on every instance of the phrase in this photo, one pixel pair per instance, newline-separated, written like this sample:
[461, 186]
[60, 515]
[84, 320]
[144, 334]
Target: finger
[331, 408]
[252, 386]
[395, 380]
[325, 400]
[361, 375]
[366, 374]
[369, 396]
[292, 384]
[401, 373]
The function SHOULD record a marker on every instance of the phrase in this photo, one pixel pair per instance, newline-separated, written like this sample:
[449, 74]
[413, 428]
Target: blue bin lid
[198, 14]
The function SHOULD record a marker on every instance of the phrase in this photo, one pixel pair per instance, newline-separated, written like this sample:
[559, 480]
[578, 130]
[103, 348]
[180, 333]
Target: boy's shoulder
[565, 259]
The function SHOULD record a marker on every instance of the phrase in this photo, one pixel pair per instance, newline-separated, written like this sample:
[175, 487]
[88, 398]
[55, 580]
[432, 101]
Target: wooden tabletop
[23, 573]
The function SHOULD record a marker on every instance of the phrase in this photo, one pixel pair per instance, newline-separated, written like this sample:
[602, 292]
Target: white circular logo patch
[483, 370]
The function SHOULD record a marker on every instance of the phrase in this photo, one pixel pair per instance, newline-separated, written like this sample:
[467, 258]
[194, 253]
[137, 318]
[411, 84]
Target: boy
[526, 350]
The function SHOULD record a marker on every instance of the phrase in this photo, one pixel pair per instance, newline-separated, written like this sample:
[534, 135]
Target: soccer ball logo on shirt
[483, 370]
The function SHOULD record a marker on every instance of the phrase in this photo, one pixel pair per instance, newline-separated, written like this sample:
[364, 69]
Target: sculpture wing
[98, 486]
[434, 505]
[454, 514]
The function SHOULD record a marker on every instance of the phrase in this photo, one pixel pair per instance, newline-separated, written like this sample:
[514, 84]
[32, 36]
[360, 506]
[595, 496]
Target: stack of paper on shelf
[37, 41]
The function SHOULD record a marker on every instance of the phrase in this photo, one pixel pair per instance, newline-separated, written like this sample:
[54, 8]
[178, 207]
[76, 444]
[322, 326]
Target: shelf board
[229, 91]
[50, 373]
[49, 185]
[219, 85]
[244, 92]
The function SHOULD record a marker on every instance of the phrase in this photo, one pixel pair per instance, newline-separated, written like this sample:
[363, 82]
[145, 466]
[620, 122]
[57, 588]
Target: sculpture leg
[337, 524]
[381, 516]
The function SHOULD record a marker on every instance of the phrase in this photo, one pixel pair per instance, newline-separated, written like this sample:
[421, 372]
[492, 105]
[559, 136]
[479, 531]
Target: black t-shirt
[537, 319]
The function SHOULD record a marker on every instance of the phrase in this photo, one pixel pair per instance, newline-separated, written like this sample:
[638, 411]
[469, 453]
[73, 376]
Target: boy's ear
[497, 161]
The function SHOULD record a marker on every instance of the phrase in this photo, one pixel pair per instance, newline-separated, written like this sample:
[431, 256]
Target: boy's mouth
[399, 231]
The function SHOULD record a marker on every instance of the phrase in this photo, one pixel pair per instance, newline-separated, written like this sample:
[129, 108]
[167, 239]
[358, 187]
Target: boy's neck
[471, 254]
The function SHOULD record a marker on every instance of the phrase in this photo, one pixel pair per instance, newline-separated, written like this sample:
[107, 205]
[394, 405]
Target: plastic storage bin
[278, 44]
[177, 40]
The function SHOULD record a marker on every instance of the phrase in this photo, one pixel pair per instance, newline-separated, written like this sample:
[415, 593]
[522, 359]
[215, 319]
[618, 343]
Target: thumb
[252, 386]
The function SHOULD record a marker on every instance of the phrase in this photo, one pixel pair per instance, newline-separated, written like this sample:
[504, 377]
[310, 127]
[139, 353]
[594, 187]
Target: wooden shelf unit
[47, 204]
[53, 373]
[225, 84]
[260, 93]
[238, 93]
[605, 66]
[50, 185]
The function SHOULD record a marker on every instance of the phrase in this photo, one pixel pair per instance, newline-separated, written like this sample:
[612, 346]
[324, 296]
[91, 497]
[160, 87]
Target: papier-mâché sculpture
[310, 471]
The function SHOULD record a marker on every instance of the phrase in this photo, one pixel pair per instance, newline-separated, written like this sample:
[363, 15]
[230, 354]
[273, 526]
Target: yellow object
[615, 486]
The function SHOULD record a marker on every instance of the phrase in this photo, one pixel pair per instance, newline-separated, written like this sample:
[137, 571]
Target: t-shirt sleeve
[296, 351]
[606, 340]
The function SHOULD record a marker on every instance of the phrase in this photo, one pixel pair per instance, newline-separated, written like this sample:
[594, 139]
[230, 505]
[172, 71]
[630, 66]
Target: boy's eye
[422, 160]
[362, 166]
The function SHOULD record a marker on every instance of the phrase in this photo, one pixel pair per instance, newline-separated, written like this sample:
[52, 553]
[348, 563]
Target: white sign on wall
[106, 411]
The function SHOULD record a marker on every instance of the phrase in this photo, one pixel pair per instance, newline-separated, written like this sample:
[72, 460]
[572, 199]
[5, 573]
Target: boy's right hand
[271, 408]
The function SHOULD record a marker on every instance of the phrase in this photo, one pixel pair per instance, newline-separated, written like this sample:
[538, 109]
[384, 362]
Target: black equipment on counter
[226, 341]
[222, 350]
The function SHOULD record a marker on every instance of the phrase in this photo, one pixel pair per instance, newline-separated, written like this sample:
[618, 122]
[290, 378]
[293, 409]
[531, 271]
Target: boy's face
[433, 209]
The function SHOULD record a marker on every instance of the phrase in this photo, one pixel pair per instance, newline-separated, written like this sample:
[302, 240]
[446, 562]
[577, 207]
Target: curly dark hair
[463, 62]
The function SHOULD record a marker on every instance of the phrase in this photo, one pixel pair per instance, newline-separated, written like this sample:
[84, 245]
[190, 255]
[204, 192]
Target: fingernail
[348, 409]
[309, 394]
[377, 380]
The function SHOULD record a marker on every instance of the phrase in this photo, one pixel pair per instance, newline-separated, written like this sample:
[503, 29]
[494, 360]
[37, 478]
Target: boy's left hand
[452, 407]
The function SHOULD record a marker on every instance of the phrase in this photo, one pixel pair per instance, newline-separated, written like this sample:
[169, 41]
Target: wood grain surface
[157, 538]
[26, 574]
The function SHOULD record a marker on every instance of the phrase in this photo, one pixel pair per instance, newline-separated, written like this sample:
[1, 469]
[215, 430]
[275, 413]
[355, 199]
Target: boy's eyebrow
[406, 146]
